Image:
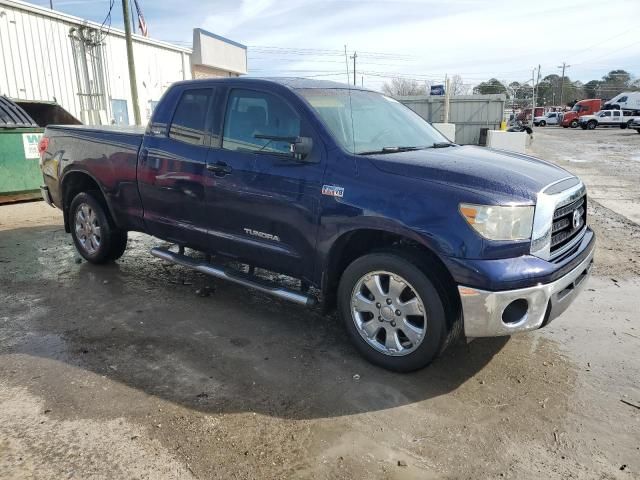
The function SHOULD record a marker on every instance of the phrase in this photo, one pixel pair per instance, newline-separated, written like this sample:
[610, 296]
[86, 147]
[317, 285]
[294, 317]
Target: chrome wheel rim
[388, 313]
[88, 229]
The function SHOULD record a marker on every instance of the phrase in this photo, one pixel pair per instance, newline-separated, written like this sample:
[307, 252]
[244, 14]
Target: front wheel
[392, 311]
[591, 125]
[574, 124]
[638, 130]
[94, 236]
[542, 123]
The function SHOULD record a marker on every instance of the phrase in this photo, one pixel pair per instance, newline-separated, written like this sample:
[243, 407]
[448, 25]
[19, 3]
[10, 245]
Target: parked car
[415, 240]
[549, 118]
[583, 107]
[605, 118]
[629, 101]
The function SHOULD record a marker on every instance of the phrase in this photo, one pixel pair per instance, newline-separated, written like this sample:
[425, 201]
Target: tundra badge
[266, 236]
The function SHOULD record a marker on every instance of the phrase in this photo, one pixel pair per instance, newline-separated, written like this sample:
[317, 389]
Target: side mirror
[301, 147]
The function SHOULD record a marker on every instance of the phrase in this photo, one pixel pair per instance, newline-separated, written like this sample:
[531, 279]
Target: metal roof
[12, 116]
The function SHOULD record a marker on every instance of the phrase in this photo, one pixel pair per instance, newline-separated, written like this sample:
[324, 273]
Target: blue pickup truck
[415, 240]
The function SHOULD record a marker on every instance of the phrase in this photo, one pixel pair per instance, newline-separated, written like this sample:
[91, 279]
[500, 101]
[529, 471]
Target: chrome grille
[567, 224]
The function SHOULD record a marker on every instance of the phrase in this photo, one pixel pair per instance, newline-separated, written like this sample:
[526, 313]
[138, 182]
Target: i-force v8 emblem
[332, 191]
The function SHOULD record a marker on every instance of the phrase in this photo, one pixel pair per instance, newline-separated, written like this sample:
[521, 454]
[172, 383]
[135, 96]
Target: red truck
[583, 107]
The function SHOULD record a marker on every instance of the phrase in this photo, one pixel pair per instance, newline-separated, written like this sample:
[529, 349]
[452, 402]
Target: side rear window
[623, 99]
[191, 122]
[251, 116]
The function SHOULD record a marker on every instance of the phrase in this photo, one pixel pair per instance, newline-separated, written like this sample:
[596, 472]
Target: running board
[235, 277]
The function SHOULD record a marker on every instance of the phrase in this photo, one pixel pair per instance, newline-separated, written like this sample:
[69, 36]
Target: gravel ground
[125, 371]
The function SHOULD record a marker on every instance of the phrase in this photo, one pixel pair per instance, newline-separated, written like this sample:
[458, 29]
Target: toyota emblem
[576, 219]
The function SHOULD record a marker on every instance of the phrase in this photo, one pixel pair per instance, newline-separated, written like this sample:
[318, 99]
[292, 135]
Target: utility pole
[446, 98]
[563, 67]
[133, 21]
[354, 56]
[132, 67]
[51, 4]
[533, 95]
[538, 83]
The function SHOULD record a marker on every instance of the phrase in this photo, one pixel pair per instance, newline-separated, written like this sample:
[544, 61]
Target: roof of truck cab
[293, 83]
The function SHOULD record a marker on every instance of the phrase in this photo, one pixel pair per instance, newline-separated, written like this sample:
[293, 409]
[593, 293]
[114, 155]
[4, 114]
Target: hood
[495, 173]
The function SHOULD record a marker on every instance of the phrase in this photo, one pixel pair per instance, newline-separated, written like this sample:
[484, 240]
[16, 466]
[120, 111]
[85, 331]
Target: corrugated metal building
[470, 113]
[51, 56]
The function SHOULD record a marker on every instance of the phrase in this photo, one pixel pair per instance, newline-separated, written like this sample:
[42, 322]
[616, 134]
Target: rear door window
[251, 116]
[191, 121]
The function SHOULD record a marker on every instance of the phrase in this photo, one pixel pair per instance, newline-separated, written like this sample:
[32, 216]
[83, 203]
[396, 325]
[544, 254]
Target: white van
[624, 101]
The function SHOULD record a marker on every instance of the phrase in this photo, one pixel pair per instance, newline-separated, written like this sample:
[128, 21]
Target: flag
[141, 22]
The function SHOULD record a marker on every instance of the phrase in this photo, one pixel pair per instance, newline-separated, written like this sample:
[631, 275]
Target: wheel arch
[361, 241]
[75, 182]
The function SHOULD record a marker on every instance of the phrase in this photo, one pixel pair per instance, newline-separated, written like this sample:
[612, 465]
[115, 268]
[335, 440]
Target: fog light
[515, 312]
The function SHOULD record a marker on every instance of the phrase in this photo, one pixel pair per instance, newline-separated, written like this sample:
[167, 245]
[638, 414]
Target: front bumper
[486, 315]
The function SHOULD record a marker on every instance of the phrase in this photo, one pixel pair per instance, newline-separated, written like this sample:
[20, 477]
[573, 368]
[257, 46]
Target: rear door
[172, 171]
[262, 203]
[616, 117]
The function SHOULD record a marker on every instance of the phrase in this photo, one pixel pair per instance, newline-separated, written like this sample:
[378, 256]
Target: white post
[446, 99]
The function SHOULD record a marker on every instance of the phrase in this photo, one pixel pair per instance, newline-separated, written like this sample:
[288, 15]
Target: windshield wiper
[442, 145]
[390, 150]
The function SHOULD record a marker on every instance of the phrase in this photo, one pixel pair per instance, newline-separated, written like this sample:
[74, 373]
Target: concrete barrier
[512, 141]
[446, 129]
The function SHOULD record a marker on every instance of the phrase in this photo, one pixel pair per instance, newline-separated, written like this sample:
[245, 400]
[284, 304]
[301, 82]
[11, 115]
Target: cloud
[425, 39]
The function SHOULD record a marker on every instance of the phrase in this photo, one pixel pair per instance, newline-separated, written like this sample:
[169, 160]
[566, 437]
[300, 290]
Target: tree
[457, 86]
[592, 88]
[402, 87]
[492, 85]
[614, 82]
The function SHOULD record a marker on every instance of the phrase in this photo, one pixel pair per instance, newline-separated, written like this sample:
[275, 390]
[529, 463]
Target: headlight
[499, 222]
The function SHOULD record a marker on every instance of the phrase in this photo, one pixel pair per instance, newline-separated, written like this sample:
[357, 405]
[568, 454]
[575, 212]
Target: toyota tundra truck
[414, 240]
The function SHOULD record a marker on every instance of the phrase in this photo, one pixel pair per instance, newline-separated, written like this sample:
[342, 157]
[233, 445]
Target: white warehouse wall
[37, 61]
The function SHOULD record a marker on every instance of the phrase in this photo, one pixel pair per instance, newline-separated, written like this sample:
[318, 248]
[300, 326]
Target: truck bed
[113, 129]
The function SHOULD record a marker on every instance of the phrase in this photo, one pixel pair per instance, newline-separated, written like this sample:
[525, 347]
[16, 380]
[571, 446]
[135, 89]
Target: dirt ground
[136, 370]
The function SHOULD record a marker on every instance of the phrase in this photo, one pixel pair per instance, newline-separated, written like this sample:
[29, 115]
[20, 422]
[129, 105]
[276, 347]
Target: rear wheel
[392, 311]
[94, 236]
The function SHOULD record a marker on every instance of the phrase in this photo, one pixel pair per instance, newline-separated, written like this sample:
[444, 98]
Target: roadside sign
[437, 89]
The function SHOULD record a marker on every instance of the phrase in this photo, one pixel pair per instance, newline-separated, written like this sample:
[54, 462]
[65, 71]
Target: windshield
[578, 108]
[377, 122]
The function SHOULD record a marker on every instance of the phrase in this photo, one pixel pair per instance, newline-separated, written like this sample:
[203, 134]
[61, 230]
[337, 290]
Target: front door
[261, 201]
[605, 118]
[172, 172]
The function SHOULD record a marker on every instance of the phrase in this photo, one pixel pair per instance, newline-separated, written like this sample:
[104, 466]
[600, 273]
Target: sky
[418, 39]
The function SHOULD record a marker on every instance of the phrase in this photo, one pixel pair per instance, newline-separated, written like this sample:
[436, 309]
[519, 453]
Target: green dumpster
[20, 175]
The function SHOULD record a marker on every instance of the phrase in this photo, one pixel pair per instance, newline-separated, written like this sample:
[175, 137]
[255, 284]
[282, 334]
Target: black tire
[565, 126]
[542, 123]
[437, 335]
[111, 241]
[638, 130]
[574, 124]
[591, 125]
[624, 126]
[583, 126]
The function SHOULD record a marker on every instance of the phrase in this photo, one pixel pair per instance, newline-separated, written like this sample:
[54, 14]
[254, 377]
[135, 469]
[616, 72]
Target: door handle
[219, 168]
